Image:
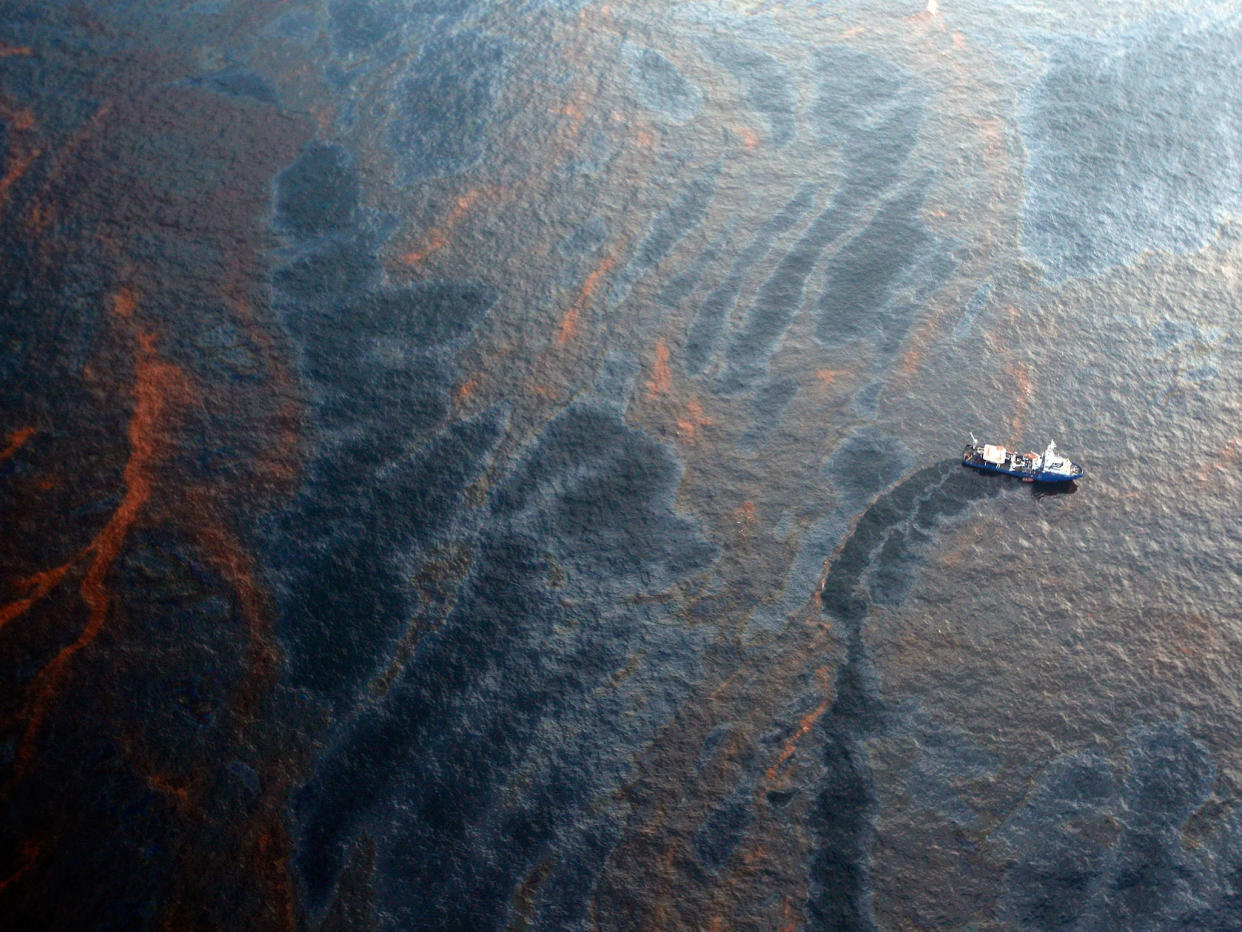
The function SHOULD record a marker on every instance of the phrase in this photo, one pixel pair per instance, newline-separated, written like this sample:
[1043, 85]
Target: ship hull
[1023, 474]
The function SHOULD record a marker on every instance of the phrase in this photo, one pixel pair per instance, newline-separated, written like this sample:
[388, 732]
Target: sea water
[495, 465]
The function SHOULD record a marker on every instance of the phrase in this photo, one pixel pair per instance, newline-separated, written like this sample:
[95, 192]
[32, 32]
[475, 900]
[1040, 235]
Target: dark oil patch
[713, 314]
[767, 85]
[445, 105]
[875, 563]
[318, 193]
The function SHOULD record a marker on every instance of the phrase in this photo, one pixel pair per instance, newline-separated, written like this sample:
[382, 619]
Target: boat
[1051, 466]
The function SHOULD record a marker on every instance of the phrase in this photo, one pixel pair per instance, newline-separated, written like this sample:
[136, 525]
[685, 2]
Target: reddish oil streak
[807, 723]
[1223, 462]
[437, 238]
[750, 139]
[265, 844]
[155, 383]
[281, 462]
[19, 118]
[661, 381]
[688, 425]
[17, 167]
[182, 795]
[124, 302]
[271, 858]
[561, 144]
[39, 213]
[92, 176]
[238, 569]
[466, 390]
[17, 440]
[38, 586]
[28, 858]
[569, 323]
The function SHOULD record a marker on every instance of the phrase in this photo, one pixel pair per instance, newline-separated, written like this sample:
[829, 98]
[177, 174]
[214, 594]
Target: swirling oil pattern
[476, 465]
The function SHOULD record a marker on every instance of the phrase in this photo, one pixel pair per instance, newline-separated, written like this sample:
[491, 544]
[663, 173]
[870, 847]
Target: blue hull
[1024, 475]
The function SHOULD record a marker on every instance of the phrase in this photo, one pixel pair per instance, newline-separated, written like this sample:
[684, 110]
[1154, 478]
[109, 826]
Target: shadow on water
[1046, 489]
[876, 563]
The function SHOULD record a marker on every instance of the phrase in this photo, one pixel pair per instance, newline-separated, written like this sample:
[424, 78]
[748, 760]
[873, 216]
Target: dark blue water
[494, 466]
